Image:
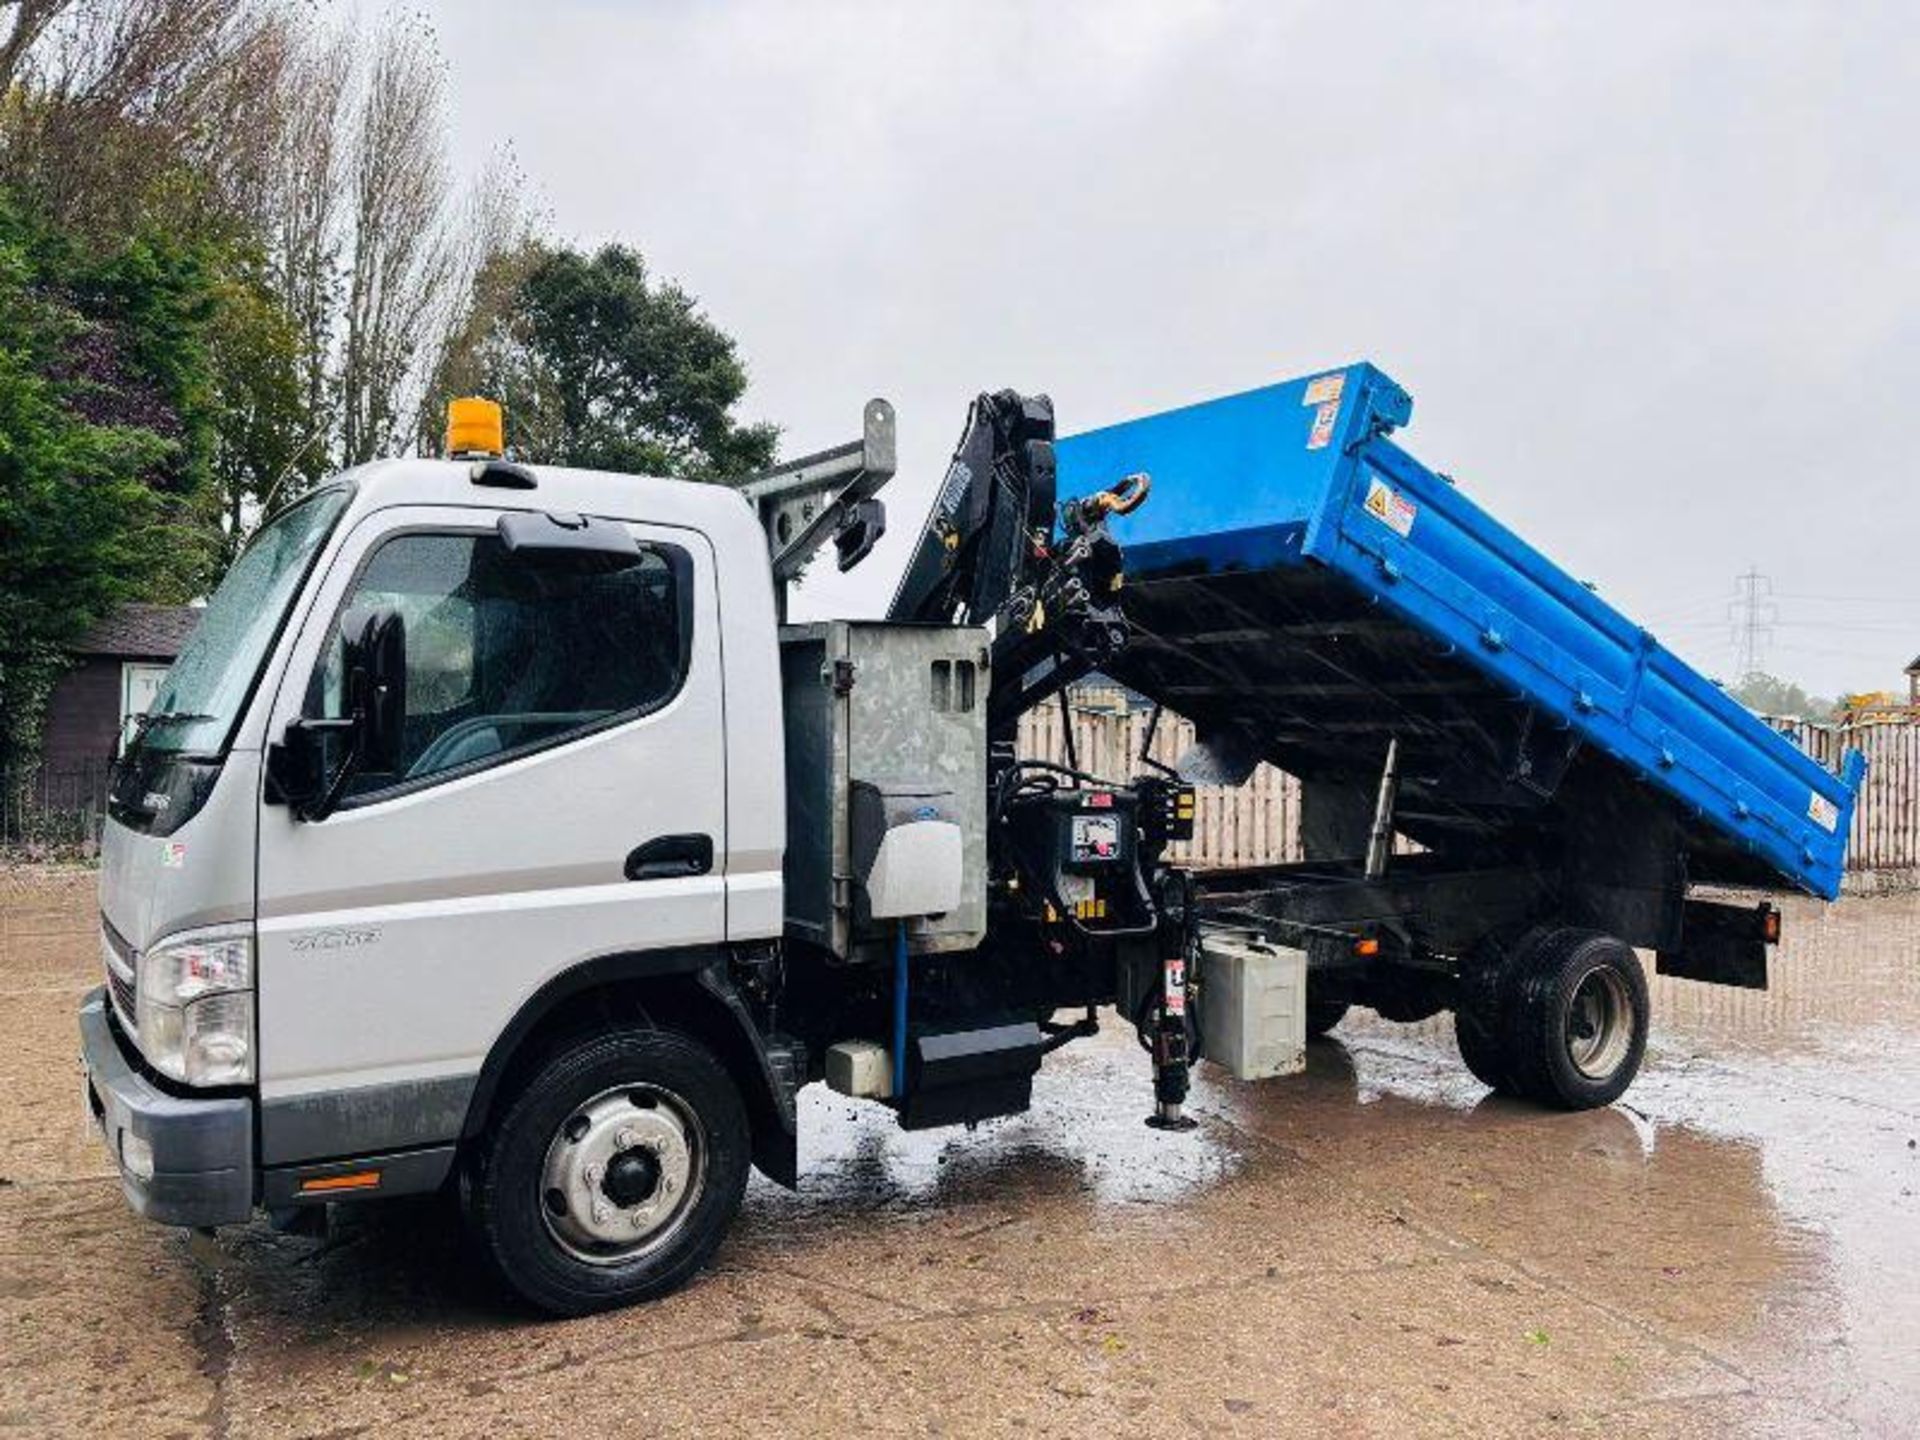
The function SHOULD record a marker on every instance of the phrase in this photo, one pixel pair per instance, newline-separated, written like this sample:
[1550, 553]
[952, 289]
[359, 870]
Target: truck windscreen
[195, 709]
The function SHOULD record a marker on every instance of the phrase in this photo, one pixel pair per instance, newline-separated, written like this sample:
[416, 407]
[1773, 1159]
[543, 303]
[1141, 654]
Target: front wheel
[614, 1173]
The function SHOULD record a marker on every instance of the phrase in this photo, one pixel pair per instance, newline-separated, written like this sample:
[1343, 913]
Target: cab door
[560, 796]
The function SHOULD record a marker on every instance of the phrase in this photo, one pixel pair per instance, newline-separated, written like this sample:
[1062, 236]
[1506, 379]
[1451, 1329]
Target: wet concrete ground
[1375, 1248]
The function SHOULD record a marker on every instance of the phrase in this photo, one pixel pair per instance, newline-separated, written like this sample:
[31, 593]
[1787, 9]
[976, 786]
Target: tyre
[1481, 1007]
[1483, 1049]
[1576, 1019]
[613, 1174]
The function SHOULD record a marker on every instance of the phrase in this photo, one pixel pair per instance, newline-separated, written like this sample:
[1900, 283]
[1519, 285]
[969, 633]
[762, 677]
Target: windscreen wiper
[169, 717]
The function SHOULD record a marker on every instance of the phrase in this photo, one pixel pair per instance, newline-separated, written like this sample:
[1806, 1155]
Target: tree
[1769, 695]
[119, 161]
[269, 441]
[495, 243]
[26, 21]
[224, 238]
[104, 443]
[599, 365]
[299, 224]
[131, 113]
[400, 261]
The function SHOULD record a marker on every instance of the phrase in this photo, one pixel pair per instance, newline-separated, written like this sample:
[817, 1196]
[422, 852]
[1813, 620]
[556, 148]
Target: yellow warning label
[1390, 508]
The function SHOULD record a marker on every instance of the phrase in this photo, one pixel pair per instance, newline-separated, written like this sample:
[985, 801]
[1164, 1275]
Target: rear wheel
[1576, 1019]
[1482, 1010]
[614, 1173]
[1482, 1048]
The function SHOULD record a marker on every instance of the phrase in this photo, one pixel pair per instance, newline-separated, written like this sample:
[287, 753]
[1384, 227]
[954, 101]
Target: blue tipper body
[1302, 475]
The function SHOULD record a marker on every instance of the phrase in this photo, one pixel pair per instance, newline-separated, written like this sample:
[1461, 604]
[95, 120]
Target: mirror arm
[321, 808]
[337, 785]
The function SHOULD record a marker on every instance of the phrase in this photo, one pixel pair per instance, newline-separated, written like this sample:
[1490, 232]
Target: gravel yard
[1375, 1248]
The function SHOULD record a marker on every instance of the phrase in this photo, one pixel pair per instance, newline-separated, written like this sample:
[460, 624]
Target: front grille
[123, 971]
[123, 996]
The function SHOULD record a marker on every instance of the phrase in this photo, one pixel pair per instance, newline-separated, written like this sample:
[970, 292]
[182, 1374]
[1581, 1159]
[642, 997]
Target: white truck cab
[582, 777]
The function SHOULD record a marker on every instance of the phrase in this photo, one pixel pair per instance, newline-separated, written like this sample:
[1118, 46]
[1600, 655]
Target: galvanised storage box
[1253, 1006]
[896, 705]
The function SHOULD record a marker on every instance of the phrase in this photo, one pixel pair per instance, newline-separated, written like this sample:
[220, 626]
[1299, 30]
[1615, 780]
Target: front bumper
[202, 1149]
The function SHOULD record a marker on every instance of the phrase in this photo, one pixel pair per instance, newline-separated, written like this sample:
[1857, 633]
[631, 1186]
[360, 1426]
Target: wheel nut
[593, 1173]
[627, 1138]
[599, 1214]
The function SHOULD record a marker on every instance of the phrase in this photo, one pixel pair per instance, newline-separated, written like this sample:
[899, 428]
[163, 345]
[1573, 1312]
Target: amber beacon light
[475, 427]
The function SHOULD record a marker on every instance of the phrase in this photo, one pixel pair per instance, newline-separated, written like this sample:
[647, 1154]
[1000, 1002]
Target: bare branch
[402, 260]
[26, 22]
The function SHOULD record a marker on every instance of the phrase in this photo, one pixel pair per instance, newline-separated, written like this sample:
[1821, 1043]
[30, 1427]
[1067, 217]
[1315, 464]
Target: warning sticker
[175, 855]
[1173, 988]
[1323, 419]
[1326, 390]
[1392, 509]
[1823, 812]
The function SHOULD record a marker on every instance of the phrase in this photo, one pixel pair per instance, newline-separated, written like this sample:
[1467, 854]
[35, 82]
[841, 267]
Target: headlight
[195, 1009]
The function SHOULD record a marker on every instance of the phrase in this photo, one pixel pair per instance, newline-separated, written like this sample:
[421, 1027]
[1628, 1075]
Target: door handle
[671, 857]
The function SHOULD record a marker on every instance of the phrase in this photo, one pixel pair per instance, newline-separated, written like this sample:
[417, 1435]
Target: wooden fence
[53, 810]
[1886, 823]
[1259, 823]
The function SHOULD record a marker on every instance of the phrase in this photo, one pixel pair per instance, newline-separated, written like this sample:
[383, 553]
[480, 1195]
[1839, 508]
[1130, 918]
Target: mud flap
[1723, 945]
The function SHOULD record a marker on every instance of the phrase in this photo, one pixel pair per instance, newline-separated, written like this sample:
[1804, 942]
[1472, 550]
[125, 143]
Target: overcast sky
[1651, 272]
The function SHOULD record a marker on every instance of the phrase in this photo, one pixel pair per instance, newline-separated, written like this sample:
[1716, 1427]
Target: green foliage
[600, 366]
[103, 444]
[1769, 695]
[268, 439]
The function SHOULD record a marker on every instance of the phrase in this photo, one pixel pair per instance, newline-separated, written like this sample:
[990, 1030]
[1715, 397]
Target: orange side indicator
[1367, 948]
[354, 1180]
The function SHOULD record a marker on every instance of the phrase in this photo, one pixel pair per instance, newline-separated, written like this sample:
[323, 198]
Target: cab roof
[498, 485]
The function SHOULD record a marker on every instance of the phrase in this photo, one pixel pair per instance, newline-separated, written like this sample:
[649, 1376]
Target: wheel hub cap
[621, 1173]
[1599, 1024]
[632, 1177]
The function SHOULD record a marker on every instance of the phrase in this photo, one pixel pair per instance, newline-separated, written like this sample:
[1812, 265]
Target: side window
[507, 654]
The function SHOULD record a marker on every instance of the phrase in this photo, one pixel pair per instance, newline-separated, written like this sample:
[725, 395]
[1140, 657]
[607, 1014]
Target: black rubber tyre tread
[501, 1195]
[1540, 991]
[1481, 1014]
[1483, 1050]
[1323, 1015]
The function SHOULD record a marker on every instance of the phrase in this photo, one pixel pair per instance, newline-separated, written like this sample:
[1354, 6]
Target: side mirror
[374, 652]
[296, 769]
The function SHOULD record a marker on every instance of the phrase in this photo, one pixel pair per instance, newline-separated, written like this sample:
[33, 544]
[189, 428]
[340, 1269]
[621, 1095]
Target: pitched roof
[153, 631]
[1915, 666]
